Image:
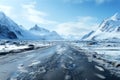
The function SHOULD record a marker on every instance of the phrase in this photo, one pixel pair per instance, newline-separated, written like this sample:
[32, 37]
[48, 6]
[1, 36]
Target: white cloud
[101, 1]
[82, 1]
[6, 9]
[35, 16]
[26, 14]
[79, 27]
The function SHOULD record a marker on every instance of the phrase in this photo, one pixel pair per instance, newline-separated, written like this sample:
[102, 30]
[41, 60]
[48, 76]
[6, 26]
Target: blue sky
[67, 17]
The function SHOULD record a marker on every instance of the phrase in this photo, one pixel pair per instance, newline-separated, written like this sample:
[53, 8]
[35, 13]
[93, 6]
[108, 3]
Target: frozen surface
[57, 60]
[11, 63]
[105, 53]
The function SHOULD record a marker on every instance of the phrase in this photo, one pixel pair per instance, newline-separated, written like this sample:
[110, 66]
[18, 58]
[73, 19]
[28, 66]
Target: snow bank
[105, 54]
[7, 47]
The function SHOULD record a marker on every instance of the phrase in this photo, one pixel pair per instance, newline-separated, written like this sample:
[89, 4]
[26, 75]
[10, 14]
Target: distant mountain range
[109, 29]
[10, 30]
[45, 34]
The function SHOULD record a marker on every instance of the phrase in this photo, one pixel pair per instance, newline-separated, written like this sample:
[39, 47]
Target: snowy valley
[41, 54]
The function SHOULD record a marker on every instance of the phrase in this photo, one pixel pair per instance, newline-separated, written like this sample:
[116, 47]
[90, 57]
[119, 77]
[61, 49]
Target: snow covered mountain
[87, 35]
[10, 30]
[39, 30]
[108, 29]
[46, 34]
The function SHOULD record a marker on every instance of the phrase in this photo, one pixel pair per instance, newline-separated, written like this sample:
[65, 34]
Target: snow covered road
[59, 62]
[10, 63]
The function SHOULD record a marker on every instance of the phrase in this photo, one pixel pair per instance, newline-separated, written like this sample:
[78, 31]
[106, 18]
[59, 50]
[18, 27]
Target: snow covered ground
[60, 60]
[8, 46]
[11, 63]
[106, 54]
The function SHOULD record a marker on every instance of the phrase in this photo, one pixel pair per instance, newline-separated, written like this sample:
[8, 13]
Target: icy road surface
[59, 62]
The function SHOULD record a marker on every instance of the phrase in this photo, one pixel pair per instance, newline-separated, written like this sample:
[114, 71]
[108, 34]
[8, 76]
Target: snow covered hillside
[108, 29]
[38, 30]
[10, 30]
[46, 34]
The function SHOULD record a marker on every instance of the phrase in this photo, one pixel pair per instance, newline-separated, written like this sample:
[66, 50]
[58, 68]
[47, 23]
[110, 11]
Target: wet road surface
[59, 62]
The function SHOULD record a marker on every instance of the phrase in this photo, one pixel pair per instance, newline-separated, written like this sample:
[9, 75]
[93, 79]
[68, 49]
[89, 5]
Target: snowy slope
[87, 35]
[46, 34]
[10, 30]
[108, 29]
[39, 30]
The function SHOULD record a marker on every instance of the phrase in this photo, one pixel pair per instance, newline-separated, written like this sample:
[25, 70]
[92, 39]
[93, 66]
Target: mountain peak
[2, 14]
[111, 24]
[116, 16]
[37, 28]
[108, 29]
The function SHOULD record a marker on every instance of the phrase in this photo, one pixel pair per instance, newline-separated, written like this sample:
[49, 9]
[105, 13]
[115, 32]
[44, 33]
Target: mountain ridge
[50, 35]
[108, 29]
[11, 30]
